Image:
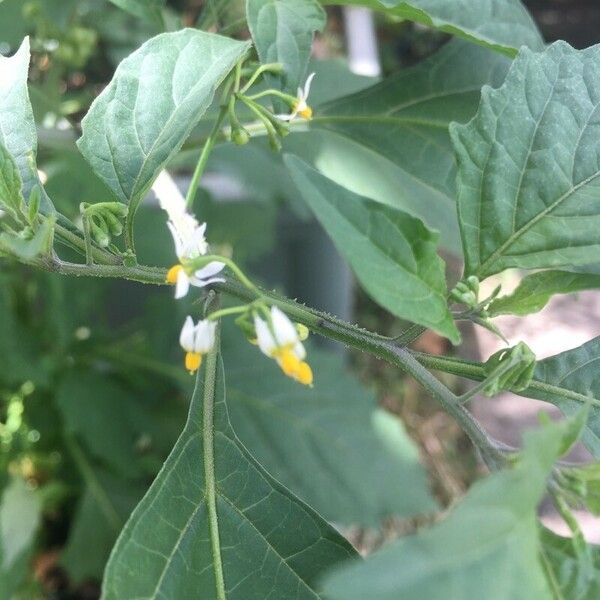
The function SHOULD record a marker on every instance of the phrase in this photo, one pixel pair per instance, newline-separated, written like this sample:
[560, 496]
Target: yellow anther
[304, 374]
[193, 360]
[306, 113]
[173, 273]
[289, 363]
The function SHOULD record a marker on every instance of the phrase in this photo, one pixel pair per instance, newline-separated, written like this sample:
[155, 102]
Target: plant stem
[208, 443]
[206, 150]
[385, 348]
[271, 67]
[224, 312]
[100, 256]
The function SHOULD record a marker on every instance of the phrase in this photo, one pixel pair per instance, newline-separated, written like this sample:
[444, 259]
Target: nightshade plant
[495, 141]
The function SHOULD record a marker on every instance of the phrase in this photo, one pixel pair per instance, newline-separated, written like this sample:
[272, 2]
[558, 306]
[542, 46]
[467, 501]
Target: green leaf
[283, 31]
[27, 248]
[144, 9]
[534, 291]
[569, 380]
[487, 547]
[17, 126]
[528, 165]
[504, 25]
[214, 522]
[397, 132]
[330, 445]
[153, 102]
[572, 576]
[11, 196]
[392, 254]
[20, 514]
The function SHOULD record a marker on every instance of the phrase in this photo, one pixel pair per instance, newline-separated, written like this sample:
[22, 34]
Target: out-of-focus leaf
[392, 254]
[93, 533]
[504, 25]
[330, 445]
[283, 31]
[570, 575]
[487, 547]
[27, 248]
[534, 291]
[144, 9]
[11, 196]
[268, 542]
[153, 102]
[528, 165]
[20, 513]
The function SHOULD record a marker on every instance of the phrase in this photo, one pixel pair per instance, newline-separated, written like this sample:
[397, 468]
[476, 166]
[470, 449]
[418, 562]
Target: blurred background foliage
[92, 396]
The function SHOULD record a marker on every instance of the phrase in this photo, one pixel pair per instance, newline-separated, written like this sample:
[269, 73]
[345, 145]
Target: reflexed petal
[212, 268]
[308, 84]
[299, 351]
[169, 196]
[177, 239]
[186, 338]
[285, 331]
[205, 336]
[264, 338]
[183, 284]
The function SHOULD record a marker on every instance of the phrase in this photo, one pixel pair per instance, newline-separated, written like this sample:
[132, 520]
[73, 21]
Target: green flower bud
[517, 377]
[240, 136]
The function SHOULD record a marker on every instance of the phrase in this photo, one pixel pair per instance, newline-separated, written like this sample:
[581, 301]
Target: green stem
[286, 97]
[87, 237]
[206, 150]
[224, 312]
[100, 256]
[271, 67]
[208, 442]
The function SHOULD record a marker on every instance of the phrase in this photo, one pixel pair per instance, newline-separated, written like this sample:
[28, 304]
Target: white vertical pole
[361, 41]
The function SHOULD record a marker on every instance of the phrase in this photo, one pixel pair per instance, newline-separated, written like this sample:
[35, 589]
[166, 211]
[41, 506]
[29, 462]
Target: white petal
[205, 336]
[212, 268]
[169, 196]
[176, 238]
[285, 331]
[186, 338]
[299, 351]
[308, 84]
[183, 284]
[264, 338]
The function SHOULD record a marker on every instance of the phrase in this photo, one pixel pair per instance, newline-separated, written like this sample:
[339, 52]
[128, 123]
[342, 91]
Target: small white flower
[301, 107]
[188, 236]
[279, 340]
[196, 340]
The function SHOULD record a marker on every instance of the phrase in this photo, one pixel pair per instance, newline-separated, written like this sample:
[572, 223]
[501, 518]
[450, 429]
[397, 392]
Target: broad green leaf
[283, 31]
[153, 102]
[392, 254]
[215, 525]
[144, 9]
[17, 126]
[487, 547]
[28, 248]
[528, 165]
[504, 25]
[11, 196]
[20, 513]
[534, 291]
[569, 380]
[330, 445]
[570, 575]
[397, 133]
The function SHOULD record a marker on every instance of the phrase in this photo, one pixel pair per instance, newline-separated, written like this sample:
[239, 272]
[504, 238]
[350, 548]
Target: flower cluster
[273, 332]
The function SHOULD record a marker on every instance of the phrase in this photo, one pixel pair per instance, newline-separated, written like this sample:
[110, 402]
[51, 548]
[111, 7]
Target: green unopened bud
[240, 136]
[245, 323]
[518, 375]
[303, 331]
[99, 231]
[115, 226]
[473, 284]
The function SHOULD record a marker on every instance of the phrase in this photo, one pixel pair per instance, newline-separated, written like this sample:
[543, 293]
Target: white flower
[280, 340]
[301, 107]
[196, 340]
[188, 236]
